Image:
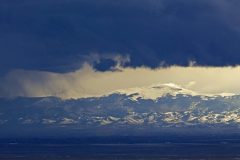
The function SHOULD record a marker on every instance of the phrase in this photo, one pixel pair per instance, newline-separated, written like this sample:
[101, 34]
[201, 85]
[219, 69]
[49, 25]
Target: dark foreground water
[72, 150]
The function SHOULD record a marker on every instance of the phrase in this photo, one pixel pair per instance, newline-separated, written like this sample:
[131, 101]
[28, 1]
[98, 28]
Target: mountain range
[157, 106]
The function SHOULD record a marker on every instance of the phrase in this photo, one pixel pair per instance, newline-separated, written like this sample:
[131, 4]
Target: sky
[81, 48]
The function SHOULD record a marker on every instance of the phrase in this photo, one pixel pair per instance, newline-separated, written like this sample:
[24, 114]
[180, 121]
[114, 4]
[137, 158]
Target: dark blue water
[74, 149]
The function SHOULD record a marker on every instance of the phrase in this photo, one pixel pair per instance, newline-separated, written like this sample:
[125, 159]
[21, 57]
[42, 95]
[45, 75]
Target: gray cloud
[58, 35]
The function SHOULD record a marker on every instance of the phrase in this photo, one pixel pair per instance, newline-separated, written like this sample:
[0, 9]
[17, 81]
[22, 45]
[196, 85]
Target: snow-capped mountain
[157, 91]
[157, 106]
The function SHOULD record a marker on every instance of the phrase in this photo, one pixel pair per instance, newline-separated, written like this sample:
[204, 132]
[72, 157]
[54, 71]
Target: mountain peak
[158, 90]
[155, 91]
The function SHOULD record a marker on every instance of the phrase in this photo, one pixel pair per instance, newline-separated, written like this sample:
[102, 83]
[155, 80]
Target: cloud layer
[57, 35]
[43, 44]
[87, 82]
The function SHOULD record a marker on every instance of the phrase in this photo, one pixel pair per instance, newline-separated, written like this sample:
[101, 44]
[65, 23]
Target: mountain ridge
[179, 109]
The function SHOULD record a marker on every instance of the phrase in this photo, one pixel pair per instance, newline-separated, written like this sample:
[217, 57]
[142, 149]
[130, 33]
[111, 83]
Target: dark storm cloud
[58, 35]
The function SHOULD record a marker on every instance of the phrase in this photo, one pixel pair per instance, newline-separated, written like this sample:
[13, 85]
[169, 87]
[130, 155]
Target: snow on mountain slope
[156, 91]
[160, 105]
